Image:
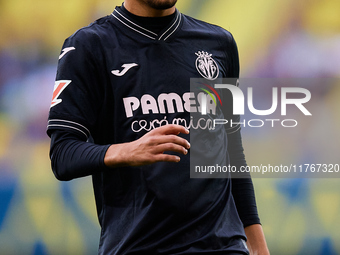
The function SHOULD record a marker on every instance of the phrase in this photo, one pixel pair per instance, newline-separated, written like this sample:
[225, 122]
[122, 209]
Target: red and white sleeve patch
[59, 86]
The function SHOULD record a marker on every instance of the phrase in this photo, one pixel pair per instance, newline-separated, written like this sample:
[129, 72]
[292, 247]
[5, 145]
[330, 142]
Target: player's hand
[256, 240]
[149, 148]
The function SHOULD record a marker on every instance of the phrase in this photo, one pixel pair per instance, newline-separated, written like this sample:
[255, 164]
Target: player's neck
[139, 8]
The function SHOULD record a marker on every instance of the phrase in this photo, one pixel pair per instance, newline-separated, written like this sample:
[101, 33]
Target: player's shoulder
[191, 24]
[93, 32]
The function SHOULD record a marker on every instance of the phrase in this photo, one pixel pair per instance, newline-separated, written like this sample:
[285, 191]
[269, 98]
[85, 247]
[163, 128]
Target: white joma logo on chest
[126, 67]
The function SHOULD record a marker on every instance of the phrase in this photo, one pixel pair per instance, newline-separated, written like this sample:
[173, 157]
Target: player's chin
[161, 4]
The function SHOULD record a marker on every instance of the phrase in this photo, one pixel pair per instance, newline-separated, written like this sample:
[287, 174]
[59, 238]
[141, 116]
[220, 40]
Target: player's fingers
[171, 139]
[171, 129]
[166, 158]
[170, 147]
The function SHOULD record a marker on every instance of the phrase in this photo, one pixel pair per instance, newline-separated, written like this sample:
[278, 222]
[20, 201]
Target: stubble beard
[160, 4]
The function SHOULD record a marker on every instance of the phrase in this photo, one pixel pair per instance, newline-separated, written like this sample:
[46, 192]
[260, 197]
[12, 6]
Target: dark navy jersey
[116, 81]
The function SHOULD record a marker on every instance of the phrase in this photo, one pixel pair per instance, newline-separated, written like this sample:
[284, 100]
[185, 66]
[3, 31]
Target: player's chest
[161, 68]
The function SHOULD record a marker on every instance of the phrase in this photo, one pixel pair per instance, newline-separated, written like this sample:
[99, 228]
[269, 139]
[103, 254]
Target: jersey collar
[162, 36]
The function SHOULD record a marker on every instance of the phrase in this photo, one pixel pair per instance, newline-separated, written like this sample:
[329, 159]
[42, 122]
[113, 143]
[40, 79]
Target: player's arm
[244, 197]
[242, 184]
[72, 157]
[242, 188]
[76, 101]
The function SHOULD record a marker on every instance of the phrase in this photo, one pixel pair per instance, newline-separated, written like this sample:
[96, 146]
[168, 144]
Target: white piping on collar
[173, 31]
[132, 27]
[135, 23]
[152, 35]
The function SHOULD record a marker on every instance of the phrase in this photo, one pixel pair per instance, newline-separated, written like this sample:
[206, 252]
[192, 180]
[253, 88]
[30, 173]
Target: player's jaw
[160, 4]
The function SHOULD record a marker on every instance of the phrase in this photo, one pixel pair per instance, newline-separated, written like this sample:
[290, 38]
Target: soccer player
[119, 81]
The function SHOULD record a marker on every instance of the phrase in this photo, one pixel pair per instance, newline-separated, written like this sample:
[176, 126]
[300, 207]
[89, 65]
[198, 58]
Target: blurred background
[282, 38]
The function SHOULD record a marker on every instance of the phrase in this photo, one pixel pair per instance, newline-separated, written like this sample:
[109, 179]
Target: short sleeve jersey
[116, 81]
